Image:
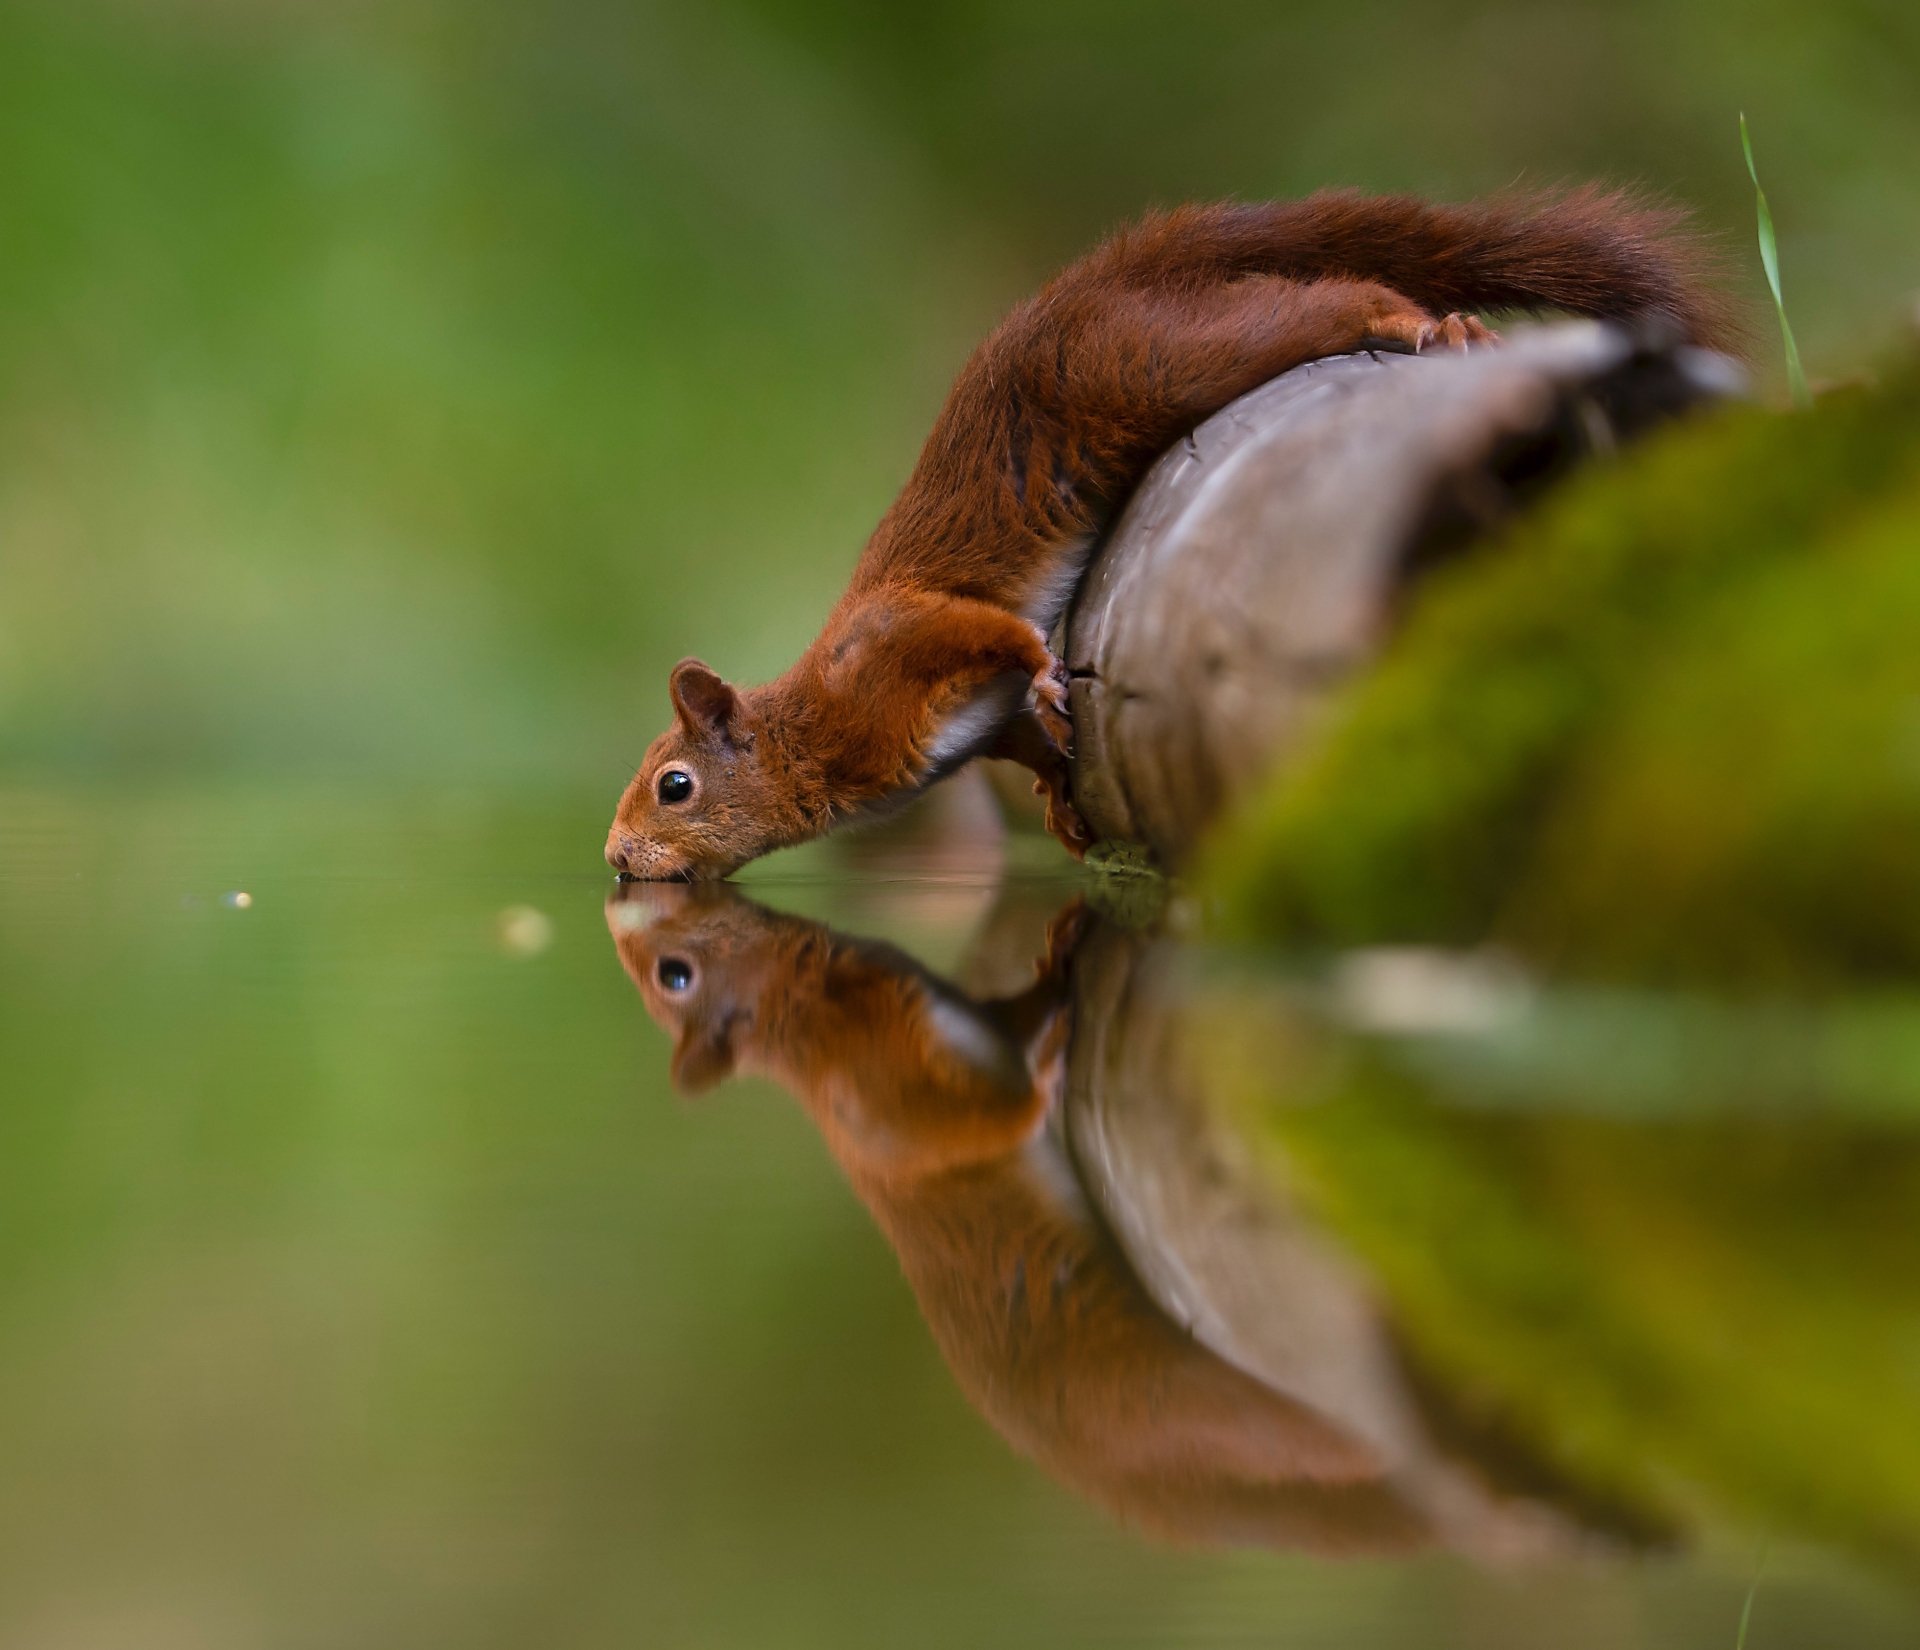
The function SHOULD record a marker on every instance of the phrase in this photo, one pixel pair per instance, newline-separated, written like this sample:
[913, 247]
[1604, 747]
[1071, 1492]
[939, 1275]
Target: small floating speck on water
[523, 931]
[238, 900]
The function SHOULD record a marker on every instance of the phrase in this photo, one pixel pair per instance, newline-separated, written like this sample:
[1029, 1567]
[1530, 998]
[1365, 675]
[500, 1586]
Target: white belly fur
[973, 725]
[1046, 604]
[970, 729]
[965, 734]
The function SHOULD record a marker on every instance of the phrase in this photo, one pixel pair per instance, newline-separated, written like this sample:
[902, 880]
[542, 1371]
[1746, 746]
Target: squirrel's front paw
[1050, 707]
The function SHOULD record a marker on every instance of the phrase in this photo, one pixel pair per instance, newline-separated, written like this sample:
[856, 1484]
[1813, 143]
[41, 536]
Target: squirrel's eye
[675, 785]
[674, 974]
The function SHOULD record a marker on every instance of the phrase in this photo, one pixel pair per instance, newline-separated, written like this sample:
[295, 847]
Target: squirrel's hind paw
[1067, 827]
[1459, 331]
[1064, 823]
[1418, 333]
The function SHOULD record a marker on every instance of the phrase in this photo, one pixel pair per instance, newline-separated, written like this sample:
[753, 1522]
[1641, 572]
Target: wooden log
[1209, 1225]
[1261, 562]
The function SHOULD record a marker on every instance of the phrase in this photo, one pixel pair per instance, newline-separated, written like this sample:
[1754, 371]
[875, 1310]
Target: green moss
[1692, 677]
[1751, 810]
[1677, 1317]
[1126, 886]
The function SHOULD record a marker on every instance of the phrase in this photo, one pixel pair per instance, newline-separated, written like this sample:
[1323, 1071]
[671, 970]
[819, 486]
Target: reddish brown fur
[1043, 1323]
[1050, 424]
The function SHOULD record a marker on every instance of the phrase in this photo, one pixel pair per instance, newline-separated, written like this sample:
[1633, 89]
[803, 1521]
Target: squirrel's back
[1059, 412]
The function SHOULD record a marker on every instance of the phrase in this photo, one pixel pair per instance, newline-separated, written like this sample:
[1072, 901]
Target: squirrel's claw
[1459, 331]
[1063, 819]
[1056, 726]
[1418, 333]
[1050, 707]
[1067, 827]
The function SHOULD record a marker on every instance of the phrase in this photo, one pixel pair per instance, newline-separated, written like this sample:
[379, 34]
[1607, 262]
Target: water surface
[366, 1278]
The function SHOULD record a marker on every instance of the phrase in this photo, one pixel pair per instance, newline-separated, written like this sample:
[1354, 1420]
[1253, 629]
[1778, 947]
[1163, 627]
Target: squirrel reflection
[936, 1106]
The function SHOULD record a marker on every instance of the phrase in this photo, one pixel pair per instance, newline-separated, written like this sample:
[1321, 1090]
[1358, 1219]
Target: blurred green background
[391, 392]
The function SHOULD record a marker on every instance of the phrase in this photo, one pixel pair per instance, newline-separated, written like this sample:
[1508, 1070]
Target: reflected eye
[674, 975]
[675, 785]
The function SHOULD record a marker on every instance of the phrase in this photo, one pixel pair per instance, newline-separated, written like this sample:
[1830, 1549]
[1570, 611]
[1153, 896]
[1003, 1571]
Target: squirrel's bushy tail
[1590, 251]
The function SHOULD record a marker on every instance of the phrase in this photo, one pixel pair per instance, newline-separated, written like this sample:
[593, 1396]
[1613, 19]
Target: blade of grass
[1746, 1610]
[1770, 262]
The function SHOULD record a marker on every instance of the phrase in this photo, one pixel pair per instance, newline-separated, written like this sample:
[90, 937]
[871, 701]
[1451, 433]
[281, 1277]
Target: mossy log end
[1260, 563]
[1666, 735]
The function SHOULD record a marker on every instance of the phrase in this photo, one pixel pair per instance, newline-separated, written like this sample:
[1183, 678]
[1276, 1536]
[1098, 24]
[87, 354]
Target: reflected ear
[703, 1056]
[700, 698]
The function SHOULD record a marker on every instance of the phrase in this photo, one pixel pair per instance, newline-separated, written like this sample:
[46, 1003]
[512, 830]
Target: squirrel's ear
[701, 699]
[703, 1056]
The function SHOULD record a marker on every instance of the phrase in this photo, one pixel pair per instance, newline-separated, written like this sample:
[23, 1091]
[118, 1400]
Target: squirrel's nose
[618, 848]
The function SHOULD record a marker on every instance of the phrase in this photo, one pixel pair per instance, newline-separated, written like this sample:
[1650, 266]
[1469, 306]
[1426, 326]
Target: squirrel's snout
[640, 861]
[623, 853]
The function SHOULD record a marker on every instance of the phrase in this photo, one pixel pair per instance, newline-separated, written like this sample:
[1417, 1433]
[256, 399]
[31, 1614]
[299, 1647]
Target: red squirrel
[938, 651]
[936, 1105]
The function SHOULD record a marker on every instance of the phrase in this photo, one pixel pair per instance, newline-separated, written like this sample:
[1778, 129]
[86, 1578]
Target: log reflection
[1162, 1400]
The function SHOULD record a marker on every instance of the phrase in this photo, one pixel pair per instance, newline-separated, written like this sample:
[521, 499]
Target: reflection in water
[359, 1288]
[1228, 1382]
